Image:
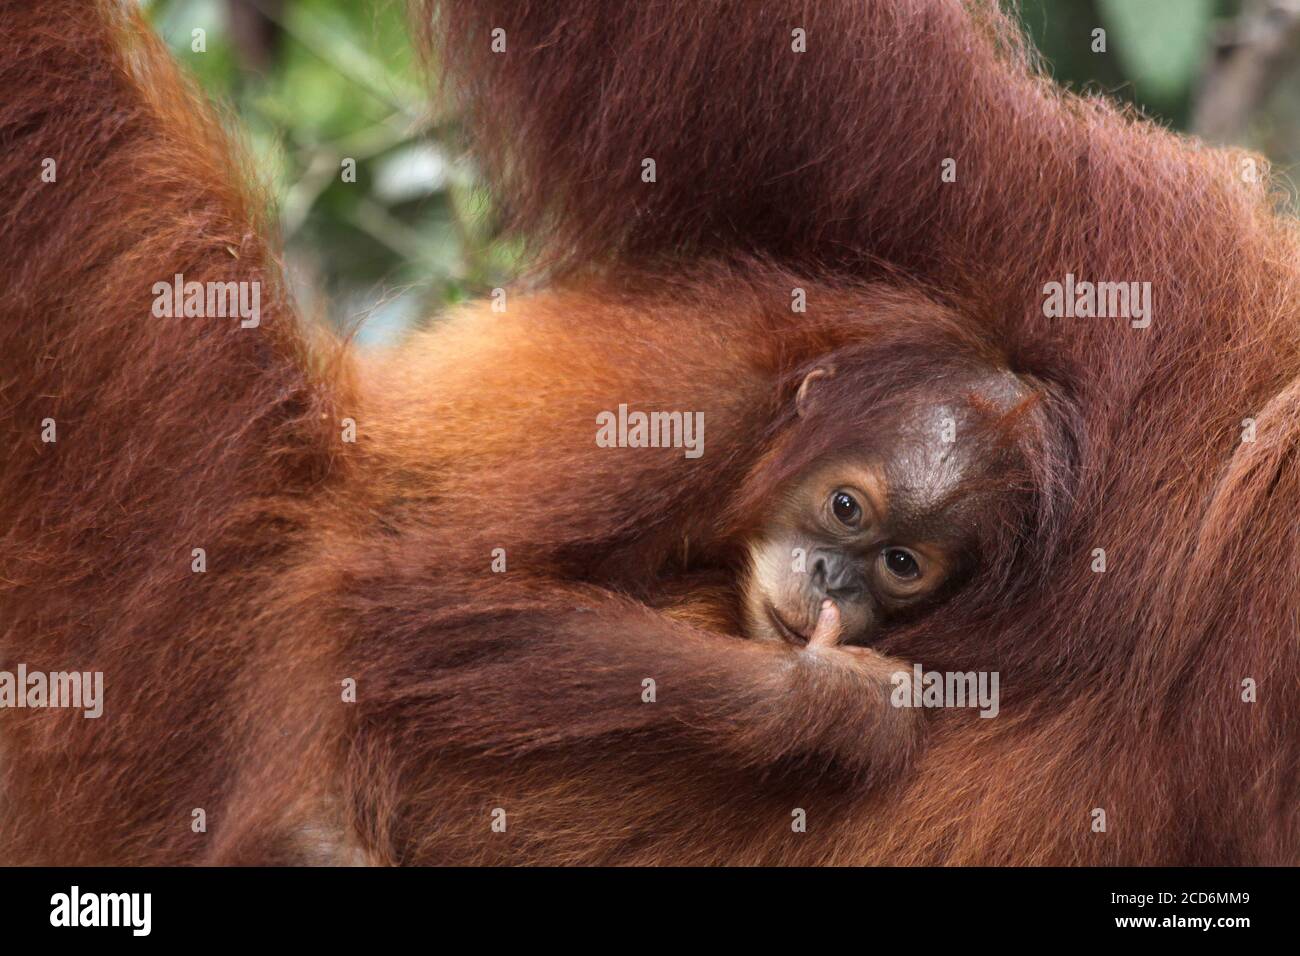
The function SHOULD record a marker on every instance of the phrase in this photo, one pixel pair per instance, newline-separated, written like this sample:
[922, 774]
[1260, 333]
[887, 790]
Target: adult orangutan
[474, 634]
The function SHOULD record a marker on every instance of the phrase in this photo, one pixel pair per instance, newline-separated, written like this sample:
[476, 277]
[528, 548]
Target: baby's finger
[827, 631]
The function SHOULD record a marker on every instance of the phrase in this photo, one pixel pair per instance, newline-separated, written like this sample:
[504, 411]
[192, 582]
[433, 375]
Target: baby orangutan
[893, 484]
[877, 501]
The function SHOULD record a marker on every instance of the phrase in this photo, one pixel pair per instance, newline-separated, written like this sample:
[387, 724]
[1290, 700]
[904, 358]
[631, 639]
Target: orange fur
[522, 691]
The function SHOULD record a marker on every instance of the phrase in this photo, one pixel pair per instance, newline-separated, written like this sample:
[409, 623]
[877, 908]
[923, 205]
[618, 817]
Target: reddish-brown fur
[523, 690]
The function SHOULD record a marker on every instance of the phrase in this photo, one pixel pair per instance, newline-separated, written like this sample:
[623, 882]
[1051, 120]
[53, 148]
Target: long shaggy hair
[330, 562]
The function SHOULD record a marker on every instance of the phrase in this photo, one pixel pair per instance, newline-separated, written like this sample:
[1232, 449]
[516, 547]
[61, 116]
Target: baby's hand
[829, 631]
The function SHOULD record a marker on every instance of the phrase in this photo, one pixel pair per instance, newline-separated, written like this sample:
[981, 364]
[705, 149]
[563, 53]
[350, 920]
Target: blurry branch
[348, 60]
[321, 164]
[382, 226]
[1250, 55]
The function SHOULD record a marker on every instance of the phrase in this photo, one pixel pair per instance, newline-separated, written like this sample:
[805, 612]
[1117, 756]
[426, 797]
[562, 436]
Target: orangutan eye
[901, 563]
[846, 509]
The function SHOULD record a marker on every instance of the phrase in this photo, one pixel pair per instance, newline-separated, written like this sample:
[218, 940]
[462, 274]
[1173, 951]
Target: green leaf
[1160, 43]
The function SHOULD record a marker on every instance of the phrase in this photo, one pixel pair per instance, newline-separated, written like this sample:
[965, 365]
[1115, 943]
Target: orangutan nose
[835, 576]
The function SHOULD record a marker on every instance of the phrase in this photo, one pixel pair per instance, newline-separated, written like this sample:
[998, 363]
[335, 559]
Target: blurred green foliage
[313, 83]
[1155, 49]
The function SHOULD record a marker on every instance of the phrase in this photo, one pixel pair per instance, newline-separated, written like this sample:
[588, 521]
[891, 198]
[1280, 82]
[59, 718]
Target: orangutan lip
[785, 630]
